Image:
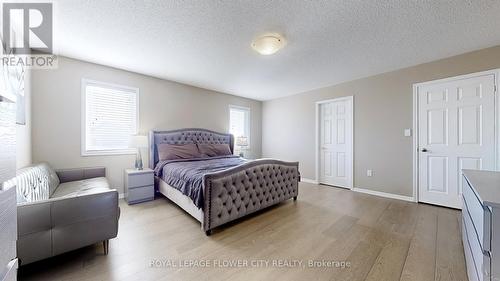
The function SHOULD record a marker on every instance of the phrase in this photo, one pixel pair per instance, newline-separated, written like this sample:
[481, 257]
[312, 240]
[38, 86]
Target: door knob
[424, 150]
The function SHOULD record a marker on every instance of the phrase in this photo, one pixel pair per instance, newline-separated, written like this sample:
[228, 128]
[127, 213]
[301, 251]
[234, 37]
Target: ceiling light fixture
[268, 44]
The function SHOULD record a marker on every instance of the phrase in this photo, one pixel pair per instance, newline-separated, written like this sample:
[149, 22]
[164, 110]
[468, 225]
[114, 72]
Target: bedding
[212, 150]
[173, 151]
[186, 175]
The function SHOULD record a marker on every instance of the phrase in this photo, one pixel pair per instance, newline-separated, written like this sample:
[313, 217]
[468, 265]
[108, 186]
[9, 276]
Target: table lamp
[242, 143]
[139, 142]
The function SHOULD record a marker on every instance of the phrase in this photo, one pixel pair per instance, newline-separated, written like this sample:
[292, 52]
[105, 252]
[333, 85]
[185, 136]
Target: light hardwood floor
[381, 239]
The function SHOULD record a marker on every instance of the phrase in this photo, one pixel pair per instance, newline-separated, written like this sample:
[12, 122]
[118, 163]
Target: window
[239, 122]
[109, 118]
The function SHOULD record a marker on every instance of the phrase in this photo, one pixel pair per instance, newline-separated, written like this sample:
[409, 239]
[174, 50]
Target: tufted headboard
[184, 136]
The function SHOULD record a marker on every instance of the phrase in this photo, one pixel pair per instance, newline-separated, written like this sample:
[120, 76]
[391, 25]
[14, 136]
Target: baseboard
[121, 195]
[309, 180]
[368, 191]
[385, 194]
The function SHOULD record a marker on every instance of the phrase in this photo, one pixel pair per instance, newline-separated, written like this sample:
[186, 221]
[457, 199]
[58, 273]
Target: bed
[217, 190]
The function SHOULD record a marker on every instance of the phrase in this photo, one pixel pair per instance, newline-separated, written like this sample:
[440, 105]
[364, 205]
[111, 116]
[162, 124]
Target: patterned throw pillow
[37, 182]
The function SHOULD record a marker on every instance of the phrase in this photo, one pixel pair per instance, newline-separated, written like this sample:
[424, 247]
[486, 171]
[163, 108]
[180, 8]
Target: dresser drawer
[138, 180]
[480, 216]
[469, 260]
[481, 259]
[140, 194]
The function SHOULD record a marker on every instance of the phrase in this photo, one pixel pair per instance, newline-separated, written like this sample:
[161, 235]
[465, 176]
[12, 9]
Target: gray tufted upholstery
[184, 136]
[245, 189]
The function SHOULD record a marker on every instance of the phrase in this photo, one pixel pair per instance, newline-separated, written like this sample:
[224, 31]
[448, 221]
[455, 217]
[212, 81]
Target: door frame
[496, 74]
[317, 139]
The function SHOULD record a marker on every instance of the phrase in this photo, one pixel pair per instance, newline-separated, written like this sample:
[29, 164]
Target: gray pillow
[177, 151]
[212, 150]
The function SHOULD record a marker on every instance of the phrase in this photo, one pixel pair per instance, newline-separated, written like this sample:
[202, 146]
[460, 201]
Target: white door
[335, 142]
[456, 131]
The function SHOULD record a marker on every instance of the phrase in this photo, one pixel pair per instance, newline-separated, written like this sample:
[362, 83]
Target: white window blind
[239, 121]
[110, 118]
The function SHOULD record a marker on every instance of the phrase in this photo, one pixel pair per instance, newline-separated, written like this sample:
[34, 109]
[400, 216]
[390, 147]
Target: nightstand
[139, 185]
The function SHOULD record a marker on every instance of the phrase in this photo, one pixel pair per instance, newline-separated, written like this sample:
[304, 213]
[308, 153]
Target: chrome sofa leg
[105, 245]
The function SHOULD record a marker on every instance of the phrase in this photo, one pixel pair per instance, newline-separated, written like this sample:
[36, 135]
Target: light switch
[369, 173]
[407, 132]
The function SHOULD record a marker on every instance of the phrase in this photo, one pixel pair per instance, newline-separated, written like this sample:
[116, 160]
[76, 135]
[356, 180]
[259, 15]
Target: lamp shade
[138, 141]
[242, 141]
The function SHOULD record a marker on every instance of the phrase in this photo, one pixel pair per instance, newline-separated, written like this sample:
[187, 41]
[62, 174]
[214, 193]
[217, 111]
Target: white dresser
[481, 224]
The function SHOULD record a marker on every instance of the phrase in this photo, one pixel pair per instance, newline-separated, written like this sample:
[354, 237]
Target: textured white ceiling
[207, 43]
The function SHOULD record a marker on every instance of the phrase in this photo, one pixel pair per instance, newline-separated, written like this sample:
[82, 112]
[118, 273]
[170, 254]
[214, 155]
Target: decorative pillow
[177, 151]
[36, 182]
[212, 150]
[53, 178]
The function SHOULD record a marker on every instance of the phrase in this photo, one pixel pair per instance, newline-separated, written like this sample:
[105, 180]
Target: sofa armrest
[67, 175]
[84, 220]
[45, 214]
[69, 210]
[34, 229]
[33, 217]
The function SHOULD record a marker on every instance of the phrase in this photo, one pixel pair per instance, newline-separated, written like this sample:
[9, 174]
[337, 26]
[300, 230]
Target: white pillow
[37, 182]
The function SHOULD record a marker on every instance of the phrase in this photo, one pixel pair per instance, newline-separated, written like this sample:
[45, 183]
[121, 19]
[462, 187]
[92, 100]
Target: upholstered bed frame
[233, 193]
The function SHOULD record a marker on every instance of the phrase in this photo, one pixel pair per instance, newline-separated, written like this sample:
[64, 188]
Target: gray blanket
[186, 175]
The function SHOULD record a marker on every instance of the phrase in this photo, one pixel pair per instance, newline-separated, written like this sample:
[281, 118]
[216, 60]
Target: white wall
[382, 110]
[164, 105]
